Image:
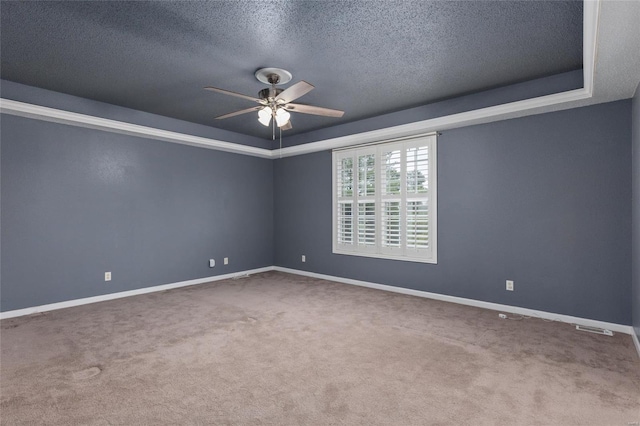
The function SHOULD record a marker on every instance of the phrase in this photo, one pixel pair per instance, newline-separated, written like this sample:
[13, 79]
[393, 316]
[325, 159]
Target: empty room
[319, 212]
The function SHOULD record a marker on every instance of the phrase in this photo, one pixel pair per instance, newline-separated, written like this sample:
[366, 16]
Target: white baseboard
[620, 328]
[119, 295]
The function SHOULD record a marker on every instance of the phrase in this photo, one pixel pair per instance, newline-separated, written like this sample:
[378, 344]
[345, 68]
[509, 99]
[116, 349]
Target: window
[384, 200]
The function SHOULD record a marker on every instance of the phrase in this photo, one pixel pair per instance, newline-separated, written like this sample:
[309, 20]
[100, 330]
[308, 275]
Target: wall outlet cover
[107, 276]
[212, 263]
[226, 260]
[509, 285]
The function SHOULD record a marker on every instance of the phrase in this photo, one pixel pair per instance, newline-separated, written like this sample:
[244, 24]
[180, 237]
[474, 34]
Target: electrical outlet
[212, 263]
[304, 258]
[107, 276]
[226, 260]
[509, 285]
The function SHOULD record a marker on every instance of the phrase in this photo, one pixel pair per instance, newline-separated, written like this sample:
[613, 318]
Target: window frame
[379, 250]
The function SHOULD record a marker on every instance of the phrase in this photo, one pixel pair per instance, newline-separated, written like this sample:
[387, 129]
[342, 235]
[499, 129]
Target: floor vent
[237, 277]
[595, 330]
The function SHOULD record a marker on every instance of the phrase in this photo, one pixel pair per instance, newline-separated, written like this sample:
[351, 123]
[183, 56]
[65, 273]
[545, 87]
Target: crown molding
[591, 16]
[467, 118]
[590, 23]
[22, 109]
[462, 119]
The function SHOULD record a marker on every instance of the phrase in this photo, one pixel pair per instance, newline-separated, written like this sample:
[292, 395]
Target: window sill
[433, 260]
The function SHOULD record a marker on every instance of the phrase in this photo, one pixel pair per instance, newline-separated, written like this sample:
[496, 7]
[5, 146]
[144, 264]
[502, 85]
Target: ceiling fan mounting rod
[273, 78]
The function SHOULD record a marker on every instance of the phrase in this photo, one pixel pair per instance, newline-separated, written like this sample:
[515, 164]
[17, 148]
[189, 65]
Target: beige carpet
[280, 349]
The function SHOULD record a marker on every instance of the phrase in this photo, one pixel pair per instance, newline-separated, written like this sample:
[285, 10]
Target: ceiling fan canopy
[275, 104]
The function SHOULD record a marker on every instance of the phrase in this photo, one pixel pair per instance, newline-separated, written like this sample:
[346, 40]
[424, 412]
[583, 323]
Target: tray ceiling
[366, 58]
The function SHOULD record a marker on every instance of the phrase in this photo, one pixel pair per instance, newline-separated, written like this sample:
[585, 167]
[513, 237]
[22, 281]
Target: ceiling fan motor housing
[264, 93]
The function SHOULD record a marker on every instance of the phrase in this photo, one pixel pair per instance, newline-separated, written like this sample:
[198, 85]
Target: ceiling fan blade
[229, 92]
[242, 111]
[310, 109]
[287, 126]
[294, 92]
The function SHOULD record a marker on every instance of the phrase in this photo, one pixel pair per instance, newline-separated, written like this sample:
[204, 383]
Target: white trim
[591, 16]
[433, 198]
[636, 342]
[400, 139]
[22, 109]
[620, 328]
[433, 261]
[590, 19]
[119, 295]
[436, 124]
[467, 118]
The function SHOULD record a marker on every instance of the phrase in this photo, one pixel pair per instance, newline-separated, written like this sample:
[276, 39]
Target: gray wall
[79, 202]
[635, 301]
[542, 200]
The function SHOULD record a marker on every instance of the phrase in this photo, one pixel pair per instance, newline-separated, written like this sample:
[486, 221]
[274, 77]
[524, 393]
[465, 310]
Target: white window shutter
[385, 200]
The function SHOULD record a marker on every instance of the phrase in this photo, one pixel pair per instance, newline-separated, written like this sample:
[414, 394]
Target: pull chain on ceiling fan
[275, 104]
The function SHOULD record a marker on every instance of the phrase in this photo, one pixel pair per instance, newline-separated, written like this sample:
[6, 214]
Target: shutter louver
[417, 212]
[345, 223]
[366, 197]
[344, 215]
[417, 225]
[367, 224]
[391, 224]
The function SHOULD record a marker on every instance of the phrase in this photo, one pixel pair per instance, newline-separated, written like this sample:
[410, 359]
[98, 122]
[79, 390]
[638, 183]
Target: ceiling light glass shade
[264, 116]
[282, 117]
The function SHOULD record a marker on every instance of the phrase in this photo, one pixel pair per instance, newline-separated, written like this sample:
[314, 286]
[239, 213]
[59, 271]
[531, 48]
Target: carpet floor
[280, 349]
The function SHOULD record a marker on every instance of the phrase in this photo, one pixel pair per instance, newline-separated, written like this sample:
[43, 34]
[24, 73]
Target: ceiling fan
[275, 104]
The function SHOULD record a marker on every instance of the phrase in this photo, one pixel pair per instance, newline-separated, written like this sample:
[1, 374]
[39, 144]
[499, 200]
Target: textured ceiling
[366, 58]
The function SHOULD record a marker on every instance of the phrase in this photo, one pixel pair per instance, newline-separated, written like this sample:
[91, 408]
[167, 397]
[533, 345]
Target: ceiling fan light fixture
[264, 116]
[282, 117]
[275, 104]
